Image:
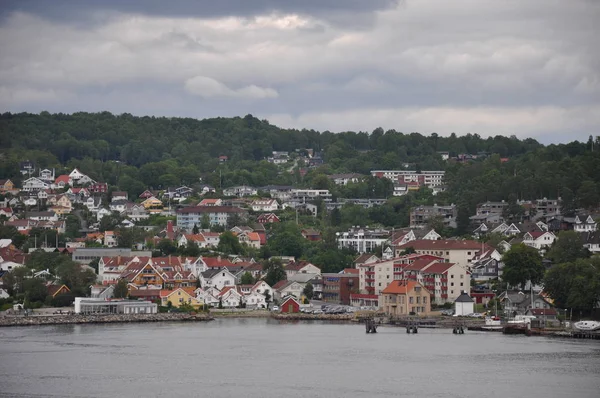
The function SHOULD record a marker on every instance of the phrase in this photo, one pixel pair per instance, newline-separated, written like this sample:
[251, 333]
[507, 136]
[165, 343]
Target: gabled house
[290, 305]
[146, 194]
[178, 297]
[205, 189]
[366, 258]
[119, 195]
[98, 187]
[56, 290]
[230, 297]
[266, 218]
[591, 241]
[285, 288]
[404, 298]
[152, 203]
[585, 223]
[252, 239]
[62, 181]
[311, 234]
[34, 184]
[47, 175]
[211, 202]
[539, 240]
[301, 267]
[27, 167]
[7, 186]
[110, 239]
[269, 205]
[118, 205]
[217, 278]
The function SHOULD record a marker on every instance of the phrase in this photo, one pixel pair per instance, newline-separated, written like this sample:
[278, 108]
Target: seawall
[112, 318]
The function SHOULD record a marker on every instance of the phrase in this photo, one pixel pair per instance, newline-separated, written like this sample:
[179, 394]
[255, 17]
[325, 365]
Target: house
[62, 181]
[98, 187]
[420, 216]
[205, 189]
[463, 305]
[231, 297]
[311, 234]
[591, 241]
[76, 175]
[252, 239]
[269, 205]
[240, 191]
[178, 297]
[119, 195]
[102, 212]
[146, 194]
[137, 212]
[301, 267]
[290, 305]
[364, 300]
[103, 291]
[585, 223]
[287, 288]
[362, 240]
[211, 202]
[110, 239]
[152, 203]
[539, 240]
[47, 175]
[34, 184]
[255, 300]
[217, 278]
[4, 294]
[27, 167]
[11, 257]
[404, 298]
[7, 186]
[549, 314]
[55, 290]
[345, 179]
[43, 216]
[266, 218]
[366, 258]
[519, 302]
[223, 159]
[6, 212]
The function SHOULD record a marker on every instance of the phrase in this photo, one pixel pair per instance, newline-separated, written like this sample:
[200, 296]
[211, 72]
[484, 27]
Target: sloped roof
[444, 244]
[400, 287]
[464, 298]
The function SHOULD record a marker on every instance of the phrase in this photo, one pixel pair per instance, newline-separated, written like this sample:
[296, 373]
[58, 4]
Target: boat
[521, 320]
[587, 326]
[492, 324]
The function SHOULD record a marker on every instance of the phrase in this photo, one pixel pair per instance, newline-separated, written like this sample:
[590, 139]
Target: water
[265, 358]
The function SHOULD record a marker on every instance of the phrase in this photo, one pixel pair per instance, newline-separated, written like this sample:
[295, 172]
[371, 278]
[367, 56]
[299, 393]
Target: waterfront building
[405, 298]
[338, 287]
[88, 306]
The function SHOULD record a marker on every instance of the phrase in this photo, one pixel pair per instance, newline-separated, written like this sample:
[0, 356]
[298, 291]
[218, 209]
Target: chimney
[170, 226]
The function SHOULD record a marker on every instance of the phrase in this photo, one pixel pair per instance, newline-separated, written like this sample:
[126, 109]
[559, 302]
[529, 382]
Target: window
[452, 276]
[461, 276]
[410, 300]
[451, 283]
[425, 300]
[461, 284]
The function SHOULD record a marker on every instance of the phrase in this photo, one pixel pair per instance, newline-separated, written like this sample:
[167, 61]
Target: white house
[34, 184]
[217, 278]
[102, 212]
[288, 288]
[255, 300]
[539, 240]
[265, 205]
[75, 175]
[252, 239]
[118, 205]
[3, 294]
[207, 297]
[585, 224]
[463, 305]
[230, 297]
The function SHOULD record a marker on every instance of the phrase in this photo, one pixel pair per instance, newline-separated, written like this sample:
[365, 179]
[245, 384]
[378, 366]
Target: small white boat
[522, 319]
[587, 326]
[492, 323]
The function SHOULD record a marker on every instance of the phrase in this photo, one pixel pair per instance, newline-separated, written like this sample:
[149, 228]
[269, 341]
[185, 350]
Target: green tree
[567, 248]
[14, 281]
[247, 278]
[522, 264]
[229, 244]
[463, 221]
[588, 195]
[77, 279]
[308, 291]
[121, 289]
[275, 272]
[195, 230]
[574, 284]
[166, 247]
[35, 289]
[205, 222]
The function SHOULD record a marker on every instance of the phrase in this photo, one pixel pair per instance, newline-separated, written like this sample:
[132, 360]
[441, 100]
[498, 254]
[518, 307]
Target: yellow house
[64, 201]
[60, 210]
[178, 297]
[152, 203]
[7, 186]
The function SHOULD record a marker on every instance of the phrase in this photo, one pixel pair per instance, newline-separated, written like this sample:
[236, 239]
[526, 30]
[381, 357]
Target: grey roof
[210, 273]
[464, 298]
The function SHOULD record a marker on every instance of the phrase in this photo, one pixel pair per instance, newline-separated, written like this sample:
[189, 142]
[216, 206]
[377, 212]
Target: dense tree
[574, 284]
[308, 291]
[567, 248]
[229, 244]
[275, 272]
[166, 247]
[121, 290]
[247, 278]
[522, 264]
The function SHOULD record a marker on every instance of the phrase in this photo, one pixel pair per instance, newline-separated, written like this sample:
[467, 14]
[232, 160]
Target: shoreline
[40, 320]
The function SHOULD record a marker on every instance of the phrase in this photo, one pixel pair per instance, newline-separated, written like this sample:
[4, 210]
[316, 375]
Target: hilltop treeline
[134, 153]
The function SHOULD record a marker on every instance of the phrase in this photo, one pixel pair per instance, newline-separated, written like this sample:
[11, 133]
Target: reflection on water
[262, 357]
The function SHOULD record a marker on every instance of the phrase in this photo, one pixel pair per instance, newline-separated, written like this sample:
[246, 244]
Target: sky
[529, 68]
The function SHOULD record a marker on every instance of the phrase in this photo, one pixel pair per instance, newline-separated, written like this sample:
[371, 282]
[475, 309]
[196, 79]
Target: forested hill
[163, 151]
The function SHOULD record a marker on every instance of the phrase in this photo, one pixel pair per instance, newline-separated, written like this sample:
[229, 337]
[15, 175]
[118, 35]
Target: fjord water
[265, 358]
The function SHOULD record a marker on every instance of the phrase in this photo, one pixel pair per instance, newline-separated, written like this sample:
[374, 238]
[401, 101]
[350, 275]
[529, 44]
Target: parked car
[275, 308]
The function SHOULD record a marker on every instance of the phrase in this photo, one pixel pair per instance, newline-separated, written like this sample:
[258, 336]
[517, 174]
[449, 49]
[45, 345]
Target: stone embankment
[112, 318]
[313, 317]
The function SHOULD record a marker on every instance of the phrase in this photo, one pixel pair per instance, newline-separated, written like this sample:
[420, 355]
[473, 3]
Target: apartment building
[421, 215]
[430, 179]
[362, 240]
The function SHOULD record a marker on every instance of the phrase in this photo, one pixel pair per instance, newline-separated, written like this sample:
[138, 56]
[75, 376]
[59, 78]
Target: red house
[146, 194]
[99, 187]
[290, 305]
[267, 218]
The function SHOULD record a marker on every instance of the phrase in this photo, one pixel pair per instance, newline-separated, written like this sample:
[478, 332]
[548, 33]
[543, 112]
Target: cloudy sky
[525, 67]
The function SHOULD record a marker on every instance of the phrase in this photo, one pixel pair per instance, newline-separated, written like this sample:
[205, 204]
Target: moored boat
[587, 326]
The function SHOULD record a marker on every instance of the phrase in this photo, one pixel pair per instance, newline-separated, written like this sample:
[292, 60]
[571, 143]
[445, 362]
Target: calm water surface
[264, 358]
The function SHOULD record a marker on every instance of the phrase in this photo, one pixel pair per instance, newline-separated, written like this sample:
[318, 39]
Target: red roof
[420, 264]
[63, 178]
[351, 271]
[280, 284]
[216, 262]
[210, 209]
[439, 268]
[536, 234]
[400, 287]
[444, 244]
